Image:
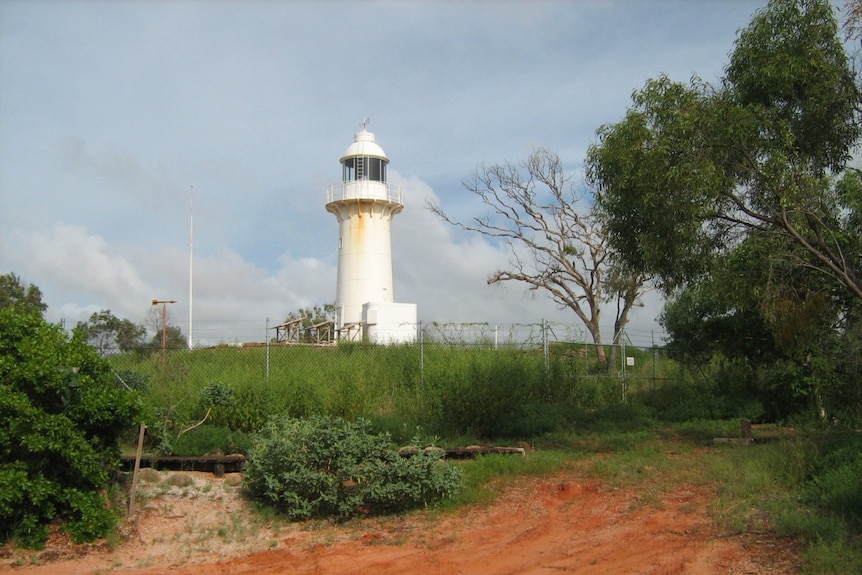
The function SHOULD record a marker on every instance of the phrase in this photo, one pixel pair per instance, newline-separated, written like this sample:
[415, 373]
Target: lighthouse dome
[364, 145]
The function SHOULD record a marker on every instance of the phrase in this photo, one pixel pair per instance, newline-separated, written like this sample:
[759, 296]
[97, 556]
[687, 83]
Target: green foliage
[740, 200]
[110, 334]
[133, 380]
[808, 487]
[693, 169]
[312, 316]
[623, 417]
[91, 517]
[170, 338]
[210, 439]
[491, 394]
[724, 390]
[62, 416]
[169, 424]
[326, 466]
[835, 483]
[216, 394]
[833, 556]
[13, 293]
[789, 65]
[453, 391]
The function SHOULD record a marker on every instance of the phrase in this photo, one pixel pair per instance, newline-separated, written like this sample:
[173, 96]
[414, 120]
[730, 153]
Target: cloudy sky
[113, 114]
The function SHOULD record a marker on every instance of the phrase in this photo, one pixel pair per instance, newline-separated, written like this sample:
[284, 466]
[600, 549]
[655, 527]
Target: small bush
[180, 480]
[210, 439]
[326, 466]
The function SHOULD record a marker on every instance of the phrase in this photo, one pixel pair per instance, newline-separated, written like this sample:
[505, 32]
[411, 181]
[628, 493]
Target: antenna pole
[191, 261]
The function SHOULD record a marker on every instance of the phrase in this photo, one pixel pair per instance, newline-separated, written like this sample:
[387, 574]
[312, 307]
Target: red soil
[539, 526]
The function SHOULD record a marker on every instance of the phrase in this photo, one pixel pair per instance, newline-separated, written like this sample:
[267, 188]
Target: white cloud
[110, 112]
[66, 260]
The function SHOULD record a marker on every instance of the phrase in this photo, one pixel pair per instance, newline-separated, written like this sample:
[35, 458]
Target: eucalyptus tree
[693, 169]
[110, 334]
[740, 199]
[556, 241]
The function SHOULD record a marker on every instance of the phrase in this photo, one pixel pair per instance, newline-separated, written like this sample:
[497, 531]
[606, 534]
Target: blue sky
[111, 112]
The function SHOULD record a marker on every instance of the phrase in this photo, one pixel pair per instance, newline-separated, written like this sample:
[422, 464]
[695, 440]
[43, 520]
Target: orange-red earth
[558, 524]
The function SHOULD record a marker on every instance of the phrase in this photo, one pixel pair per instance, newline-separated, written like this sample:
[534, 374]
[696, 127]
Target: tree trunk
[596, 334]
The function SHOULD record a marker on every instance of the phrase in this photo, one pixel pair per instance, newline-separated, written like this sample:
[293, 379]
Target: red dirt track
[540, 526]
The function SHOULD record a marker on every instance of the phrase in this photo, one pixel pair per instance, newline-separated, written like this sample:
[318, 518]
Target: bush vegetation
[62, 415]
[325, 466]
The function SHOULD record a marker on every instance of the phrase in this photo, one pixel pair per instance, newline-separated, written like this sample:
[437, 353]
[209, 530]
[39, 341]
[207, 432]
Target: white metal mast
[191, 261]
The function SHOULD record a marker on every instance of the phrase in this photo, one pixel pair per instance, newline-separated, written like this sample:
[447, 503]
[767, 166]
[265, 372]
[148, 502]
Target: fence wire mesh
[448, 366]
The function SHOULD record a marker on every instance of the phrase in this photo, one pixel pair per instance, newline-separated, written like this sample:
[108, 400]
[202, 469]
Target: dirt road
[538, 526]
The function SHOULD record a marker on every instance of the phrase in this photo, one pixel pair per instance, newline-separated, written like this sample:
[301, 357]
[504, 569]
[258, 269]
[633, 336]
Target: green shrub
[169, 426]
[134, 380]
[326, 466]
[836, 556]
[62, 414]
[835, 484]
[211, 438]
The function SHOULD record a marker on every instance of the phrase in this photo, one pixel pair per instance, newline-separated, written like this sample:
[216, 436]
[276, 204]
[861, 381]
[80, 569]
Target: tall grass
[807, 488]
[448, 390]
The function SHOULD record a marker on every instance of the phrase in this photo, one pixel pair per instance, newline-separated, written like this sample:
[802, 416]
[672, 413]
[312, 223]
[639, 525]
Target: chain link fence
[456, 379]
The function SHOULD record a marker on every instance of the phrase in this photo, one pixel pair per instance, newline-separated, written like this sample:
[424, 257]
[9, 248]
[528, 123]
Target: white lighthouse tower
[364, 204]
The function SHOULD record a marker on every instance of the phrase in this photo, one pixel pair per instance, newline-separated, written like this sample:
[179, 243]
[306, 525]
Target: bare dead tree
[557, 243]
[852, 25]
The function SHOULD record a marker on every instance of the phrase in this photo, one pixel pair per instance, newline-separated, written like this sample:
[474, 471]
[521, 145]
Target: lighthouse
[364, 204]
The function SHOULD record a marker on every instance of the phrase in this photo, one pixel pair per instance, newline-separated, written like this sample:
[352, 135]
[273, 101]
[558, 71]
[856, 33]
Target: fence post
[421, 355]
[266, 339]
[140, 448]
[654, 358]
[623, 374]
[545, 344]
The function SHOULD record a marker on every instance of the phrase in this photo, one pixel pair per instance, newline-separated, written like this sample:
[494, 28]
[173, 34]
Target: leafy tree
[312, 316]
[62, 415]
[109, 334]
[159, 320]
[739, 200]
[730, 312]
[14, 293]
[174, 339]
[779, 337]
[558, 244]
[692, 169]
